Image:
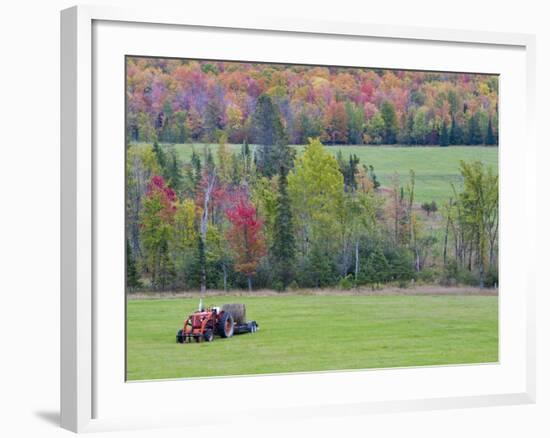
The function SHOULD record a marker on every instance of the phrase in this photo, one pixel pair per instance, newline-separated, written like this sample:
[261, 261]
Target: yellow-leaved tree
[316, 188]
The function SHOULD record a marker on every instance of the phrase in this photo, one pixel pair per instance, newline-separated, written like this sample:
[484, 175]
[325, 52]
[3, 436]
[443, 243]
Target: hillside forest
[237, 177]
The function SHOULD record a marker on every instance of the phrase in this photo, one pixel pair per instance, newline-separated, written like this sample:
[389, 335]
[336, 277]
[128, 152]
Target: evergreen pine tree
[490, 138]
[409, 127]
[372, 175]
[444, 135]
[284, 246]
[166, 270]
[377, 268]
[400, 266]
[475, 135]
[321, 268]
[269, 133]
[349, 170]
[208, 160]
[356, 121]
[340, 159]
[197, 169]
[455, 135]
[236, 170]
[351, 181]
[247, 158]
[132, 276]
[160, 155]
[173, 172]
[213, 119]
[389, 116]
[180, 130]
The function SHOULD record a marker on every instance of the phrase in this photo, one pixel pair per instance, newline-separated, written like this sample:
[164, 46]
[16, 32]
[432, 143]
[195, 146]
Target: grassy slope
[312, 333]
[435, 167]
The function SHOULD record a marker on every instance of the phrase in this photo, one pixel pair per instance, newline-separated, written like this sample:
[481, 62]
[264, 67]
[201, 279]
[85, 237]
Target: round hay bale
[238, 311]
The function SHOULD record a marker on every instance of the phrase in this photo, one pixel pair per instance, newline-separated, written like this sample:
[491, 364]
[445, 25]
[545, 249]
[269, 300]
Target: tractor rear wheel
[208, 335]
[225, 325]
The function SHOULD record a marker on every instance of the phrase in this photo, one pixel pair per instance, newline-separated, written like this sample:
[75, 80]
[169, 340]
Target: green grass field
[315, 333]
[435, 167]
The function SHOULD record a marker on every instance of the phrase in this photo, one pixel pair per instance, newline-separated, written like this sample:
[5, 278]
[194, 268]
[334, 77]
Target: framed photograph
[300, 218]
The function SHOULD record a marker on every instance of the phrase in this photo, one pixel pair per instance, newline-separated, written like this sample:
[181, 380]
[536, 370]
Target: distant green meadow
[435, 167]
[315, 333]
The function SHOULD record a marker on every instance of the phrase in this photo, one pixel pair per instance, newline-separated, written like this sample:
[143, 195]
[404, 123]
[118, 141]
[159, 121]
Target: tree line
[263, 217]
[182, 101]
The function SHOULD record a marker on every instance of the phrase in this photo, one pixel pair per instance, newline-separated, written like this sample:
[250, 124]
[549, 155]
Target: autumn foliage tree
[315, 186]
[336, 123]
[480, 213]
[157, 231]
[196, 101]
[245, 238]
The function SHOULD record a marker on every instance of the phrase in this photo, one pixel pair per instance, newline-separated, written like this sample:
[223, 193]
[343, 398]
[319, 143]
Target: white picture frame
[85, 174]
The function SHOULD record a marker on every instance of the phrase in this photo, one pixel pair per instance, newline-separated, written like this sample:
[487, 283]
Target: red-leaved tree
[246, 238]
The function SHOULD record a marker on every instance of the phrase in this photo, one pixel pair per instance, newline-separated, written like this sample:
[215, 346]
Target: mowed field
[315, 333]
[435, 167]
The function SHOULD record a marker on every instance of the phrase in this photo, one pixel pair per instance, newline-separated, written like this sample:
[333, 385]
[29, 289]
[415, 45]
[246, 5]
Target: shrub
[468, 278]
[450, 271]
[491, 278]
[318, 270]
[264, 274]
[400, 261]
[427, 275]
[294, 285]
[346, 283]
[378, 268]
[403, 284]
[453, 275]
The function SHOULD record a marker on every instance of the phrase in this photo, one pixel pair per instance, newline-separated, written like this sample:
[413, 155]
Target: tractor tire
[225, 325]
[179, 337]
[208, 335]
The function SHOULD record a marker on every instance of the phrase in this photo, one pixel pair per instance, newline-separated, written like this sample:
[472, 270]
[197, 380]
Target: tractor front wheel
[225, 325]
[179, 337]
[208, 335]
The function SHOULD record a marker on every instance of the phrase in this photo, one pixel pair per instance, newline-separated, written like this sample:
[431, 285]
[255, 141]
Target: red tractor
[226, 321]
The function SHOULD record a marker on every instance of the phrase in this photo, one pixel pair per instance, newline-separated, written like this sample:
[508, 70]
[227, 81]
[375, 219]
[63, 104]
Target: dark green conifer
[284, 246]
[132, 277]
[490, 138]
[444, 135]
